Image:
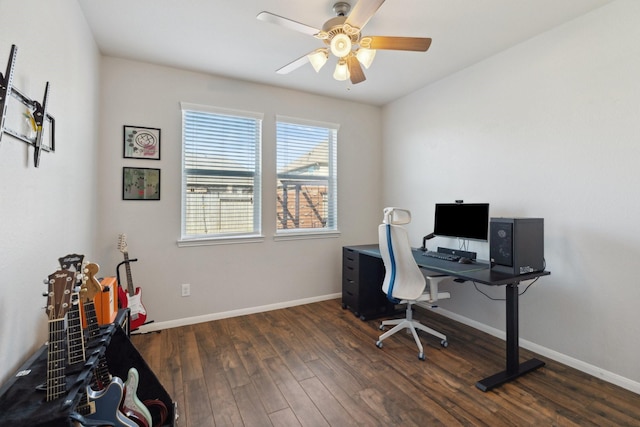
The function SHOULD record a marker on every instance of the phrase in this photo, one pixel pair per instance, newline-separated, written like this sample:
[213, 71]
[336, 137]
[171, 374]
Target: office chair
[404, 282]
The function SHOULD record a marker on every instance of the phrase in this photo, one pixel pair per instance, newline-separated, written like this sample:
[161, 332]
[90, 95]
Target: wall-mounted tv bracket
[36, 112]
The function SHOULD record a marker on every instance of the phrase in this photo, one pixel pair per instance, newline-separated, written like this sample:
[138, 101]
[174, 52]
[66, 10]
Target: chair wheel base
[421, 356]
[379, 344]
[444, 343]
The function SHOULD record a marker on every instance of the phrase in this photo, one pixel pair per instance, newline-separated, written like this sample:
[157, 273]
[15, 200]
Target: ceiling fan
[343, 39]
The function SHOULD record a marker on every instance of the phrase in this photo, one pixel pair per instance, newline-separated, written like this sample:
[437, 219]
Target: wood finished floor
[317, 365]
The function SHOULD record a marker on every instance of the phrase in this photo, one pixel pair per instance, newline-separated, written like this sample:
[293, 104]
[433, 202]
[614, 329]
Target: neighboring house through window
[307, 176]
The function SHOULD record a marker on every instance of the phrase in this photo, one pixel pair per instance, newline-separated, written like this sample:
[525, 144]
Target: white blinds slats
[221, 174]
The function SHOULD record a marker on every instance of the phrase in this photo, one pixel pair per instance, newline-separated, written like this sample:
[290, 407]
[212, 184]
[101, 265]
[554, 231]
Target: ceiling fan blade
[362, 12]
[418, 44]
[287, 23]
[355, 70]
[293, 65]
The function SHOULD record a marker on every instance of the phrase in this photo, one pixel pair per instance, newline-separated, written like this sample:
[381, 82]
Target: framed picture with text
[140, 184]
[141, 143]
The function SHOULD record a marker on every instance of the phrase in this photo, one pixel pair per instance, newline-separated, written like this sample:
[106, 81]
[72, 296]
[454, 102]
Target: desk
[481, 273]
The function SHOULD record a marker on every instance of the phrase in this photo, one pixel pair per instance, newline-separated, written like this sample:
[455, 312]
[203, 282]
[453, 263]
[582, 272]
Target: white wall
[549, 128]
[231, 277]
[50, 211]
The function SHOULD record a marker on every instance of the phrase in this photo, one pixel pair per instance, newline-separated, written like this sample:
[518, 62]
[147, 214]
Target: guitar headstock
[90, 285]
[71, 262]
[122, 243]
[61, 284]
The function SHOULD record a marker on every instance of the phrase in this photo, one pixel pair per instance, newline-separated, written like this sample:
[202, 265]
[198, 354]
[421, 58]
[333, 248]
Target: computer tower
[516, 245]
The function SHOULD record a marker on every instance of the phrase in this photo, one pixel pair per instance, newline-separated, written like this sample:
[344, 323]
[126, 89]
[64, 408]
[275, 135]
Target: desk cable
[503, 299]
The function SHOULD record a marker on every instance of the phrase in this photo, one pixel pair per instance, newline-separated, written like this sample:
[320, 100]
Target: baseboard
[595, 371]
[157, 326]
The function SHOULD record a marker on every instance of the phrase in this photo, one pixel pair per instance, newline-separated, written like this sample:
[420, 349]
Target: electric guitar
[131, 299]
[107, 400]
[131, 406]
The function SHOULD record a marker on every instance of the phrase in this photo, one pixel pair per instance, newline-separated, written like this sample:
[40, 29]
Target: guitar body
[138, 312]
[107, 404]
[131, 400]
[123, 301]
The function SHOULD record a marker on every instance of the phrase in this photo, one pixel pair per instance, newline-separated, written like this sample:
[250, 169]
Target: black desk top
[478, 271]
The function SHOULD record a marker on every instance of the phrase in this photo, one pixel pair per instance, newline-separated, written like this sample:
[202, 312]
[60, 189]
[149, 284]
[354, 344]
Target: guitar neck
[75, 337]
[130, 288]
[101, 372]
[93, 327]
[56, 355]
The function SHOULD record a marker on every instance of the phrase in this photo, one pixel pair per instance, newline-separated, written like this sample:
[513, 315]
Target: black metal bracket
[38, 111]
[126, 261]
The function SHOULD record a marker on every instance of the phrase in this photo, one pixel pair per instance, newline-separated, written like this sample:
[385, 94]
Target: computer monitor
[462, 220]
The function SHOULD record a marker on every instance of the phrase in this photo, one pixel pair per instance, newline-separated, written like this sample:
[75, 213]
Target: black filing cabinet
[362, 277]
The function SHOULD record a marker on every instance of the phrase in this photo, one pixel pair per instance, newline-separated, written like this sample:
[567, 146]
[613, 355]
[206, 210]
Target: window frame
[256, 235]
[332, 185]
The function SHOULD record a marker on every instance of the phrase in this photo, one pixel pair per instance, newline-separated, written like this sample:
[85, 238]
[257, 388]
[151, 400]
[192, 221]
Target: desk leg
[514, 368]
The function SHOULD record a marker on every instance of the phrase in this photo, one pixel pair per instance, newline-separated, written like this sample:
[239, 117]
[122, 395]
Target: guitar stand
[127, 261]
[21, 404]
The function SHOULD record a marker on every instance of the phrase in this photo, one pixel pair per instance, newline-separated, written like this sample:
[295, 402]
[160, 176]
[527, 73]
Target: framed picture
[140, 184]
[141, 143]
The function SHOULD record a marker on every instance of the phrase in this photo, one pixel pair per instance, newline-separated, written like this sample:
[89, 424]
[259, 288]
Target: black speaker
[516, 245]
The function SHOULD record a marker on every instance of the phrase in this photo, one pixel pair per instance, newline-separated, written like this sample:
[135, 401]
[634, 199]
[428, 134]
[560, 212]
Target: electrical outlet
[186, 289]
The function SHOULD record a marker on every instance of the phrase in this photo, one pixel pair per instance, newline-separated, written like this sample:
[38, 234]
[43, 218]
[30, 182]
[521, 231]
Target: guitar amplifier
[106, 302]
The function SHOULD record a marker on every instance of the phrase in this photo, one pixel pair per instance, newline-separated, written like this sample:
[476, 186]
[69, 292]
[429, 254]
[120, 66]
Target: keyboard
[440, 255]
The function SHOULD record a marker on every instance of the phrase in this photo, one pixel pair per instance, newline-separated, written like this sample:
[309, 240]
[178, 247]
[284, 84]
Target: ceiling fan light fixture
[340, 45]
[365, 56]
[342, 71]
[318, 58]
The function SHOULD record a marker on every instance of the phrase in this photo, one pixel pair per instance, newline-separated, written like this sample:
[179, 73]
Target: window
[307, 177]
[221, 173]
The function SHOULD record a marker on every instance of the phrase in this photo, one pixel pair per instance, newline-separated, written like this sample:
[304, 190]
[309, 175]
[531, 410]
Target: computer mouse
[464, 260]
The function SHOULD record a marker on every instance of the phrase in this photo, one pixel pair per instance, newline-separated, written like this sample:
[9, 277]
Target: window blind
[306, 175]
[221, 173]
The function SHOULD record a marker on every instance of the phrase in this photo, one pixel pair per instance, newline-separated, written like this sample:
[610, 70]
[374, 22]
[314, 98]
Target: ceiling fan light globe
[318, 59]
[365, 56]
[340, 45]
[342, 71]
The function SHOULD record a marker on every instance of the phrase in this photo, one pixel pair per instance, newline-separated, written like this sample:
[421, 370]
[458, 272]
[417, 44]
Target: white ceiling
[223, 37]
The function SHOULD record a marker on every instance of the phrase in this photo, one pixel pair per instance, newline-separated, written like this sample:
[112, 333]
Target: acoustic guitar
[75, 338]
[60, 284]
[131, 299]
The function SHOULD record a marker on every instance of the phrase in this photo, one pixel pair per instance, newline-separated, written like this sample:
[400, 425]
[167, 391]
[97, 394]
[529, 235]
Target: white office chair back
[403, 279]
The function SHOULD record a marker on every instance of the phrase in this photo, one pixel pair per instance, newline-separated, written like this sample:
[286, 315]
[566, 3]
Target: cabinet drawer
[350, 297]
[350, 287]
[350, 273]
[350, 258]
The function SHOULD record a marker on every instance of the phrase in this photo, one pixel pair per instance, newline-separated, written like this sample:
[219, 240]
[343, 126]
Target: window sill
[304, 235]
[211, 241]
